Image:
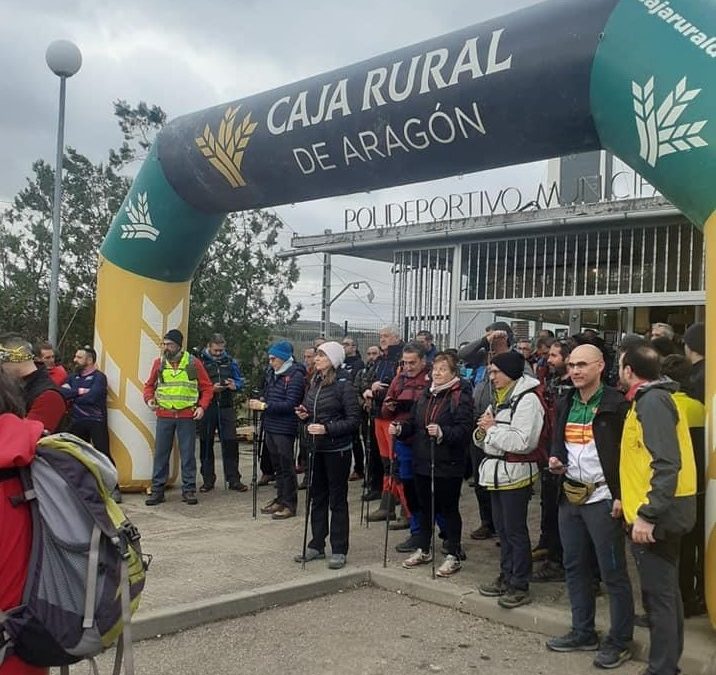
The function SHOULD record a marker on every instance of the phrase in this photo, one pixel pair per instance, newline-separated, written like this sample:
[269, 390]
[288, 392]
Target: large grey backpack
[86, 570]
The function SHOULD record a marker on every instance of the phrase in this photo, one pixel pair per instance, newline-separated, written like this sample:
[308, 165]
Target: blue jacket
[219, 370]
[91, 405]
[283, 394]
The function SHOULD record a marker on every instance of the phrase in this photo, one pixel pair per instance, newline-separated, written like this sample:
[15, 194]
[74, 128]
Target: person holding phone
[332, 414]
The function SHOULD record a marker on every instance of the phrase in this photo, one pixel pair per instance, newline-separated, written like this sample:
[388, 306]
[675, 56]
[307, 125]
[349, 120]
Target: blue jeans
[185, 429]
[580, 527]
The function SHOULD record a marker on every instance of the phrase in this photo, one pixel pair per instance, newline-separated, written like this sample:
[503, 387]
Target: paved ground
[362, 632]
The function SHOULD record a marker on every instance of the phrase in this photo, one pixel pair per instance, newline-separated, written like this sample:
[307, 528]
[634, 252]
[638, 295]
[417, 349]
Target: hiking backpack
[541, 453]
[86, 570]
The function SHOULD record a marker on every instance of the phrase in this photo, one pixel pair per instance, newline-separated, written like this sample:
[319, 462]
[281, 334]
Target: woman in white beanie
[333, 415]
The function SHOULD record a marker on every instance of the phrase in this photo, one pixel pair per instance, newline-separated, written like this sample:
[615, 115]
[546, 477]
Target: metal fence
[302, 333]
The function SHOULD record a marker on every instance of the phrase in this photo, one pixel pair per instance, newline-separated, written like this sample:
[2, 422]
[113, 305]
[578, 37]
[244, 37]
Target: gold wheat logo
[227, 153]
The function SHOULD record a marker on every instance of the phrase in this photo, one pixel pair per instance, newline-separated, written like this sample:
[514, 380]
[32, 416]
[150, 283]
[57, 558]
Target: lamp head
[63, 58]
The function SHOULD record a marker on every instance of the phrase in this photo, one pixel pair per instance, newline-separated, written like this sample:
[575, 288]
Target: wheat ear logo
[659, 134]
[226, 152]
[140, 221]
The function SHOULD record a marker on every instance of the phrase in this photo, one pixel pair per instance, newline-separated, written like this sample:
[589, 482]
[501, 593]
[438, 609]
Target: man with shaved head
[586, 447]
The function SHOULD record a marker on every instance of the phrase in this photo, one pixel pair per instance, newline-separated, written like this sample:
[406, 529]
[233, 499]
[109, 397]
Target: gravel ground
[363, 632]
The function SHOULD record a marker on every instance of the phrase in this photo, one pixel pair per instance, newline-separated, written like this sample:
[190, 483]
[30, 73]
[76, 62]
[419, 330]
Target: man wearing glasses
[586, 451]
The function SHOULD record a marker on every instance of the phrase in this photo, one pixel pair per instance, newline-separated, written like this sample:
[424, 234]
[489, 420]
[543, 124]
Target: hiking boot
[410, 545]
[282, 513]
[539, 552]
[418, 558]
[154, 499]
[399, 524]
[384, 511]
[493, 589]
[482, 532]
[550, 571]
[574, 642]
[271, 507]
[207, 487]
[337, 561]
[238, 486]
[371, 496]
[189, 497]
[611, 655]
[356, 475]
[311, 554]
[450, 565]
[514, 598]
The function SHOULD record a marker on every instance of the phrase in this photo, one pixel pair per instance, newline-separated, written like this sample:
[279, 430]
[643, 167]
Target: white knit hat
[335, 352]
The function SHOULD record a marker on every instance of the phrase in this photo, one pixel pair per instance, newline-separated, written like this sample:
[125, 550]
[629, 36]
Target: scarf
[437, 388]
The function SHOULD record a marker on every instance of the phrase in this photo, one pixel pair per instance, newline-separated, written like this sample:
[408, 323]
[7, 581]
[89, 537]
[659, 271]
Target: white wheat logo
[658, 133]
[140, 222]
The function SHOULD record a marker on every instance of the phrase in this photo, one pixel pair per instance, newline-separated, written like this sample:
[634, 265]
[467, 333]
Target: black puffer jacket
[336, 406]
[452, 411]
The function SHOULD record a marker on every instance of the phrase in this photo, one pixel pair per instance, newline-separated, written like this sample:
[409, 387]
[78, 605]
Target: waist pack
[578, 493]
[86, 570]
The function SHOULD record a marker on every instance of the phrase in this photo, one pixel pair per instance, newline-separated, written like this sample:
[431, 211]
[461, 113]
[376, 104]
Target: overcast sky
[185, 56]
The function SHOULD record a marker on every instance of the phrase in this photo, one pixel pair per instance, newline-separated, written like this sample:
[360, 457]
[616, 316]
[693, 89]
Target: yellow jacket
[657, 469]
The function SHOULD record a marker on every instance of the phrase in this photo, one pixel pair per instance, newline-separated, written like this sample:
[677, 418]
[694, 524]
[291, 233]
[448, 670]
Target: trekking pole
[432, 498]
[255, 467]
[366, 473]
[390, 500]
[309, 487]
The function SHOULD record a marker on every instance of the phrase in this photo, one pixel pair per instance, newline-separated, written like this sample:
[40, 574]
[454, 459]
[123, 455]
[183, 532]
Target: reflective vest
[635, 464]
[177, 389]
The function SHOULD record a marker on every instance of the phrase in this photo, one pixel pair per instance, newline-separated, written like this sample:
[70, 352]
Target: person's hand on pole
[256, 404]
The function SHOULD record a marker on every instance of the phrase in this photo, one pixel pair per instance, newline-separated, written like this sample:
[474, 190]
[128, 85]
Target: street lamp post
[64, 60]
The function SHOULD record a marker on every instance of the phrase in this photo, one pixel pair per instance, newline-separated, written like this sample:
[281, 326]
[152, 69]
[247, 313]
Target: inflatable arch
[560, 77]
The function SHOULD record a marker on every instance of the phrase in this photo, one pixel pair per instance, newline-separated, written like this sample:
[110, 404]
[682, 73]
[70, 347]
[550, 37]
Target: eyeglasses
[580, 365]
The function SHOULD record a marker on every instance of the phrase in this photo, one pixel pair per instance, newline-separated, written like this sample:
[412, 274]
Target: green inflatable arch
[630, 76]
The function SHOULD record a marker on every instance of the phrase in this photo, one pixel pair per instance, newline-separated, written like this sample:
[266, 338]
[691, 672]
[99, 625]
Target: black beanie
[695, 338]
[175, 336]
[510, 363]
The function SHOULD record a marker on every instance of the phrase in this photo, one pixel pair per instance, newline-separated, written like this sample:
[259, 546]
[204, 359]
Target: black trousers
[280, 446]
[484, 502]
[549, 518]
[374, 469]
[222, 420]
[657, 565]
[94, 432]
[509, 509]
[358, 463]
[691, 560]
[329, 491]
[447, 504]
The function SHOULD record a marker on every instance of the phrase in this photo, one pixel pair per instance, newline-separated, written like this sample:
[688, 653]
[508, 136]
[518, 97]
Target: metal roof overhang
[379, 244]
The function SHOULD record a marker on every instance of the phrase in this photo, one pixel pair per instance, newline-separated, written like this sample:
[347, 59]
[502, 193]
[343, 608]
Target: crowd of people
[613, 439]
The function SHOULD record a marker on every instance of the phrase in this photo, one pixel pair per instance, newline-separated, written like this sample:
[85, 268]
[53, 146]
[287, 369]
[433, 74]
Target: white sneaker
[450, 565]
[417, 558]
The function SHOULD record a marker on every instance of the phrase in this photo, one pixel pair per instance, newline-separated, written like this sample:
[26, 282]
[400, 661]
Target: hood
[18, 438]
[665, 383]
[525, 383]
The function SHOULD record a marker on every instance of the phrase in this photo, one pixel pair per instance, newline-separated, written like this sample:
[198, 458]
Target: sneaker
[550, 571]
[271, 507]
[311, 554]
[207, 487]
[611, 655]
[493, 589]
[238, 486]
[337, 561]
[418, 558]
[482, 532]
[154, 499]
[282, 513]
[189, 497]
[410, 545]
[461, 555]
[574, 642]
[450, 565]
[514, 598]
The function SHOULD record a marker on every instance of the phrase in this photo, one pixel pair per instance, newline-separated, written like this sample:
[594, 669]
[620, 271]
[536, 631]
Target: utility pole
[326, 296]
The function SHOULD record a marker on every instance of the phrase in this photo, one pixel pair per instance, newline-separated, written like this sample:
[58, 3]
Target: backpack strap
[92, 569]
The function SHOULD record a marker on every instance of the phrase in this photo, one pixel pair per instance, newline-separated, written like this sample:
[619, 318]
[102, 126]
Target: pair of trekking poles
[391, 496]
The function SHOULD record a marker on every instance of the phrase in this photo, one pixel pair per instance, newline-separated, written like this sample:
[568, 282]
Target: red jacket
[402, 393]
[206, 389]
[58, 374]
[18, 438]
